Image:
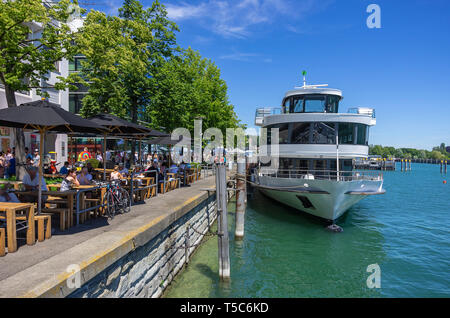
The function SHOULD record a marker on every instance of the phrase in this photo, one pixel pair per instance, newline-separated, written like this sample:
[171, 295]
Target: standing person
[36, 158]
[2, 164]
[85, 155]
[28, 154]
[99, 156]
[12, 166]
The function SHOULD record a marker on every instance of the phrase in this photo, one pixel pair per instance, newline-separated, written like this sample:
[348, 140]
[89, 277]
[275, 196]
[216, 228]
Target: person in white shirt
[31, 183]
[31, 180]
[36, 158]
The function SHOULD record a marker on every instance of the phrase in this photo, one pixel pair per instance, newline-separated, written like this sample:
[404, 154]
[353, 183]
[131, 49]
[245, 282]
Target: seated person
[31, 179]
[89, 167]
[85, 178]
[173, 168]
[123, 170]
[31, 183]
[69, 180]
[7, 197]
[64, 168]
[116, 175]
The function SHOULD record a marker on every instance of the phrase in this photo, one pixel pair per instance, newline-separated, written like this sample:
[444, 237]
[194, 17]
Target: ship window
[315, 104]
[332, 104]
[361, 137]
[346, 133]
[323, 133]
[298, 104]
[300, 133]
[287, 105]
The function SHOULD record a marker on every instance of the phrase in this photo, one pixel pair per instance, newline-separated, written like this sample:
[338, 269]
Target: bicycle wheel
[110, 204]
[124, 200]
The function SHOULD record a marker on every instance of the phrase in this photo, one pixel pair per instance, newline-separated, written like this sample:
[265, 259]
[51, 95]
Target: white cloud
[234, 19]
[246, 57]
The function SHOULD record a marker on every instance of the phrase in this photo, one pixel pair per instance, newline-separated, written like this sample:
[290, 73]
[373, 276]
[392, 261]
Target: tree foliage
[123, 53]
[33, 37]
[187, 87]
[438, 153]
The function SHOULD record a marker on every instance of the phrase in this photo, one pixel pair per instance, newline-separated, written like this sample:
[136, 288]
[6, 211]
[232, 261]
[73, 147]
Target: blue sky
[261, 46]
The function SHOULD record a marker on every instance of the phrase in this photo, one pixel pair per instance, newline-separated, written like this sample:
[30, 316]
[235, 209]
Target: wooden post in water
[401, 165]
[222, 222]
[441, 165]
[241, 194]
[445, 166]
[410, 164]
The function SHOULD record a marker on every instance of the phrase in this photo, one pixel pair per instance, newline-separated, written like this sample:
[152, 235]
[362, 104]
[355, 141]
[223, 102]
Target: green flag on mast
[304, 73]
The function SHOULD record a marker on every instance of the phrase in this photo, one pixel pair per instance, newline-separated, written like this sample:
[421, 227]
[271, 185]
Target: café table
[10, 209]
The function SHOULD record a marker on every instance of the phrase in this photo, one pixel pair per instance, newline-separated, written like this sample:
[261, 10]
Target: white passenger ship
[317, 144]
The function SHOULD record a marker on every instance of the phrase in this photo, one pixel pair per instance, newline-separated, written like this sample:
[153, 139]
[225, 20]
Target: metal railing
[320, 174]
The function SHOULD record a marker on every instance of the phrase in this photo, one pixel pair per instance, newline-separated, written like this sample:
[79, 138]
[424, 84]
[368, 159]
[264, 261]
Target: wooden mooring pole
[445, 166]
[441, 165]
[222, 222]
[241, 195]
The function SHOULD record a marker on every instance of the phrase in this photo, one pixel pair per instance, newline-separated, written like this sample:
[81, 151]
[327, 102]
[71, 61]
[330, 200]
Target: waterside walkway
[41, 270]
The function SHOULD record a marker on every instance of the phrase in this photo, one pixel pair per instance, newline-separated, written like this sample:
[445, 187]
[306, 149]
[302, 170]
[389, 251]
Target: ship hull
[327, 199]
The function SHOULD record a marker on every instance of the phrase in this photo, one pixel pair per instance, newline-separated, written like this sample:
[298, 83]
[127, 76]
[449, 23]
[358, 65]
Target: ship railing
[307, 174]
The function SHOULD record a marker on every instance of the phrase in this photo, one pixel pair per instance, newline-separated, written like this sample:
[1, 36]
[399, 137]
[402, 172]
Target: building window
[75, 64]
[75, 102]
[63, 148]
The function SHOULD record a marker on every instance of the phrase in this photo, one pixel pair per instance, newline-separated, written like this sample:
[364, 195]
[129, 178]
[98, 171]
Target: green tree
[437, 155]
[122, 55]
[33, 37]
[187, 87]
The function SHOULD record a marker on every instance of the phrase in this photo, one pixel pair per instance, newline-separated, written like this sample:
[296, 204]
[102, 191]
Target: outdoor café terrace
[48, 218]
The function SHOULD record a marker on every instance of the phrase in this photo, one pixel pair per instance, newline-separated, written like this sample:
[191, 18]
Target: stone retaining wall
[147, 270]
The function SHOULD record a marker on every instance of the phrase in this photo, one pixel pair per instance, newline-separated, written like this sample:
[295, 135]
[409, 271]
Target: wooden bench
[44, 231]
[64, 217]
[2, 241]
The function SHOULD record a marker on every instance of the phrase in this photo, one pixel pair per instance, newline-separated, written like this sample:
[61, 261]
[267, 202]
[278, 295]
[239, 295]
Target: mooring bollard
[222, 222]
[241, 194]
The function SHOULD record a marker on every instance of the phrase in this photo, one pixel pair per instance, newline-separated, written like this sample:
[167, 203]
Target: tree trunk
[18, 135]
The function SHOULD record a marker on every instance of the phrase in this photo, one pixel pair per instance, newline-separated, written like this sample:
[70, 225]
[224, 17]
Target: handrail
[78, 211]
[353, 175]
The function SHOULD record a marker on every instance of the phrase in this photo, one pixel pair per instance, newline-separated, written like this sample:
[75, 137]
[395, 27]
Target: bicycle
[116, 198]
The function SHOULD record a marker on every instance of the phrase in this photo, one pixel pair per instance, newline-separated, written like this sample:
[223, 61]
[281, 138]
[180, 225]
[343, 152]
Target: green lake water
[287, 254]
